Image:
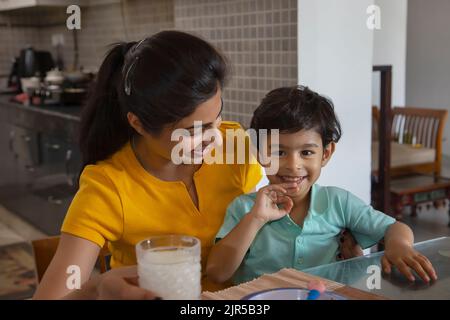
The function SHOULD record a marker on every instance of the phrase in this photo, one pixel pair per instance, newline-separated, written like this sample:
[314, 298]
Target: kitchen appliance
[32, 63]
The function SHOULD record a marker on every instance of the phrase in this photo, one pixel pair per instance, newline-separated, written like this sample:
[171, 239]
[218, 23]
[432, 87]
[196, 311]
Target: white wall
[389, 47]
[335, 58]
[428, 58]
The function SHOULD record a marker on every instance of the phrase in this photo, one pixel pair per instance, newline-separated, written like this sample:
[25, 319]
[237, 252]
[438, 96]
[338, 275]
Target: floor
[17, 267]
[431, 223]
[14, 229]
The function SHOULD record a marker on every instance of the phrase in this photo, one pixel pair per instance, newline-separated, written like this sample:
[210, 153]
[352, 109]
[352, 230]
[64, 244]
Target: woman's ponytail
[104, 128]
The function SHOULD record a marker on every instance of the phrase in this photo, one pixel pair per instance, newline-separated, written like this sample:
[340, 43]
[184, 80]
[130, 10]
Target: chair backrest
[45, 249]
[422, 126]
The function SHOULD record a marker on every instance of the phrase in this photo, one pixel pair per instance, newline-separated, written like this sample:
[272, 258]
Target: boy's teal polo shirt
[283, 244]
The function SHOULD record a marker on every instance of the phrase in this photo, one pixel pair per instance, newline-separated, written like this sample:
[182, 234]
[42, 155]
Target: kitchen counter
[71, 113]
[58, 120]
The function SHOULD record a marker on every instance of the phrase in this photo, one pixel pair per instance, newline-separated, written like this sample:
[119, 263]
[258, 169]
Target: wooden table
[416, 189]
[287, 278]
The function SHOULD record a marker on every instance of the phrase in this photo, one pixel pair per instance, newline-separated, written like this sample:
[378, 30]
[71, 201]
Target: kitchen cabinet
[8, 167]
[40, 162]
[30, 154]
[59, 156]
[24, 146]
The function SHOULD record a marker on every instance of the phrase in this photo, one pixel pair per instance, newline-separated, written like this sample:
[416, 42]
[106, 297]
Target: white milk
[170, 274]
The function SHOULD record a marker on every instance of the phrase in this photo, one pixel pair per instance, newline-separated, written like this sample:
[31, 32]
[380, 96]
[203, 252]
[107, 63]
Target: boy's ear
[328, 151]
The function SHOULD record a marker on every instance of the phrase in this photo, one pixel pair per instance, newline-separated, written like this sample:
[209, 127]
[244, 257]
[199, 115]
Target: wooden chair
[45, 249]
[416, 133]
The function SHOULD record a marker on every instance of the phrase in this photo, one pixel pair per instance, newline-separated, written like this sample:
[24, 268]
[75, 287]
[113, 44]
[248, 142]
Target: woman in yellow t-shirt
[130, 187]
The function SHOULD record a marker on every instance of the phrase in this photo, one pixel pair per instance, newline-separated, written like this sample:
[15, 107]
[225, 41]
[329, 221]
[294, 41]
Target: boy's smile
[301, 156]
[296, 179]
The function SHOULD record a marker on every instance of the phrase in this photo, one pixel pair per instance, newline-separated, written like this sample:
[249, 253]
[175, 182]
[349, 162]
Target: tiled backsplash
[259, 38]
[13, 39]
[101, 25]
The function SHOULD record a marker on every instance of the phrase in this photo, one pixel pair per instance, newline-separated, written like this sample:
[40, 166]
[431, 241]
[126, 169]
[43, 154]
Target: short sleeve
[244, 161]
[252, 176]
[237, 209]
[95, 213]
[252, 170]
[367, 225]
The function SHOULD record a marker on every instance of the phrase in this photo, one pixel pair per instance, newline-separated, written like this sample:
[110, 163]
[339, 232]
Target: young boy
[293, 222]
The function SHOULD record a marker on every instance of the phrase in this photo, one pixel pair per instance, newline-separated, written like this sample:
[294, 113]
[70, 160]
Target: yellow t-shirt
[121, 203]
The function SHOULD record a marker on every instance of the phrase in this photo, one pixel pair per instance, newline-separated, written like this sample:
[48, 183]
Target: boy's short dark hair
[291, 109]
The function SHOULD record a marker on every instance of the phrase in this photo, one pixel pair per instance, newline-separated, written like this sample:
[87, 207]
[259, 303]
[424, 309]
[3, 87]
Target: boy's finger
[427, 266]
[276, 188]
[287, 185]
[272, 195]
[292, 189]
[405, 270]
[286, 202]
[417, 267]
[386, 265]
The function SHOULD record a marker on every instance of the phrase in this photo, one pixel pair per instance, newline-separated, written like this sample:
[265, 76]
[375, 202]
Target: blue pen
[313, 294]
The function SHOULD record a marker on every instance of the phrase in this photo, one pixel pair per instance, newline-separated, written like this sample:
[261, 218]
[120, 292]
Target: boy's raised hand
[404, 257]
[272, 203]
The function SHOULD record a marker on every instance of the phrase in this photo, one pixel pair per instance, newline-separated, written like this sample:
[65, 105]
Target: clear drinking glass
[170, 266]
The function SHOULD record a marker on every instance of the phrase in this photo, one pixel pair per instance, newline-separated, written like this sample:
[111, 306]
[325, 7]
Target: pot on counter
[76, 77]
[54, 77]
[73, 96]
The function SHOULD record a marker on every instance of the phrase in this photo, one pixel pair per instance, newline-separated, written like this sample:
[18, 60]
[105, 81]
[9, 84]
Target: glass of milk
[169, 266]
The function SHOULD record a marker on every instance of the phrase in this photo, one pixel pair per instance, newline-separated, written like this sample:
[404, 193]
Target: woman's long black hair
[161, 79]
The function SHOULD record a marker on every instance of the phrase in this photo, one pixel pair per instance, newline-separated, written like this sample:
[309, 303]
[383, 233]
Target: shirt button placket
[299, 259]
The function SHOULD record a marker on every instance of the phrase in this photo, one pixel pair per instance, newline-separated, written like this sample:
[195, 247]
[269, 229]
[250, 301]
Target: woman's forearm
[88, 291]
[398, 234]
[228, 253]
